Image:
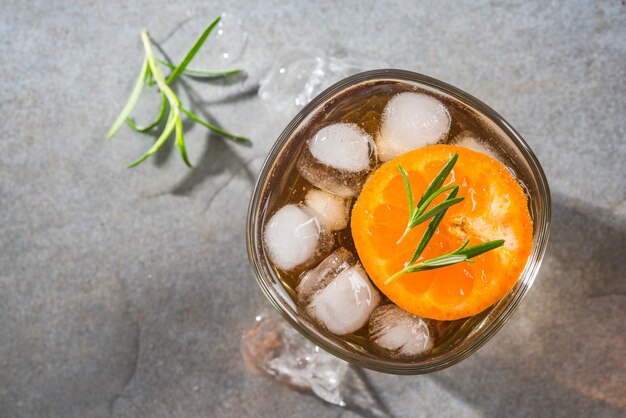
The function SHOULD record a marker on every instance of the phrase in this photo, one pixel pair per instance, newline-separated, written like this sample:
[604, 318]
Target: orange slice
[495, 207]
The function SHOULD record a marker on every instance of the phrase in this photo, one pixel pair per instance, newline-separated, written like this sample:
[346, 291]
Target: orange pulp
[495, 207]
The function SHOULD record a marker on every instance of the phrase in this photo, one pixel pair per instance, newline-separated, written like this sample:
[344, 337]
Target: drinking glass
[463, 337]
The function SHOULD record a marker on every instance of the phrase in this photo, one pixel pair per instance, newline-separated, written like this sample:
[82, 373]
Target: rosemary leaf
[192, 52]
[476, 250]
[443, 261]
[194, 72]
[180, 142]
[132, 100]
[169, 127]
[407, 186]
[462, 246]
[409, 194]
[439, 179]
[130, 122]
[214, 128]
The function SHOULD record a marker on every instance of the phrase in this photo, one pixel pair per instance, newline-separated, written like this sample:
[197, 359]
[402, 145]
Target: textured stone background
[125, 292]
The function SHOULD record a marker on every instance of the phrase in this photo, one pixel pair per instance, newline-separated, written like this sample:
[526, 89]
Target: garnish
[463, 253]
[430, 274]
[418, 215]
[151, 74]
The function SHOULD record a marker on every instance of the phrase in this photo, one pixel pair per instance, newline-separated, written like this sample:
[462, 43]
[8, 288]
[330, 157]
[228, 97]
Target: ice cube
[468, 140]
[397, 332]
[337, 159]
[411, 121]
[295, 78]
[345, 305]
[331, 210]
[293, 237]
[299, 74]
[276, 349]
[319, 277]
[343, 146]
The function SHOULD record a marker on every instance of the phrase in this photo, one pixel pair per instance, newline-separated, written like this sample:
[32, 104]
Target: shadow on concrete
[563, 353]
[217, 155]
[590, 240]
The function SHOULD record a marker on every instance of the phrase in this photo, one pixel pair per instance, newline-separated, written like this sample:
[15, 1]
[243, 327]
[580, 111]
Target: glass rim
[540, 237]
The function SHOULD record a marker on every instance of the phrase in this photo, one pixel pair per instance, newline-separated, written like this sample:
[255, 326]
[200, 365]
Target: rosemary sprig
[418, 214]
[151, 74]
[463, 253]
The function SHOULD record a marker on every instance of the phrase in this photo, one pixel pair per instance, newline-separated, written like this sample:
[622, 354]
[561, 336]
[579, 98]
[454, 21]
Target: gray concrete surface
[125, 292]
